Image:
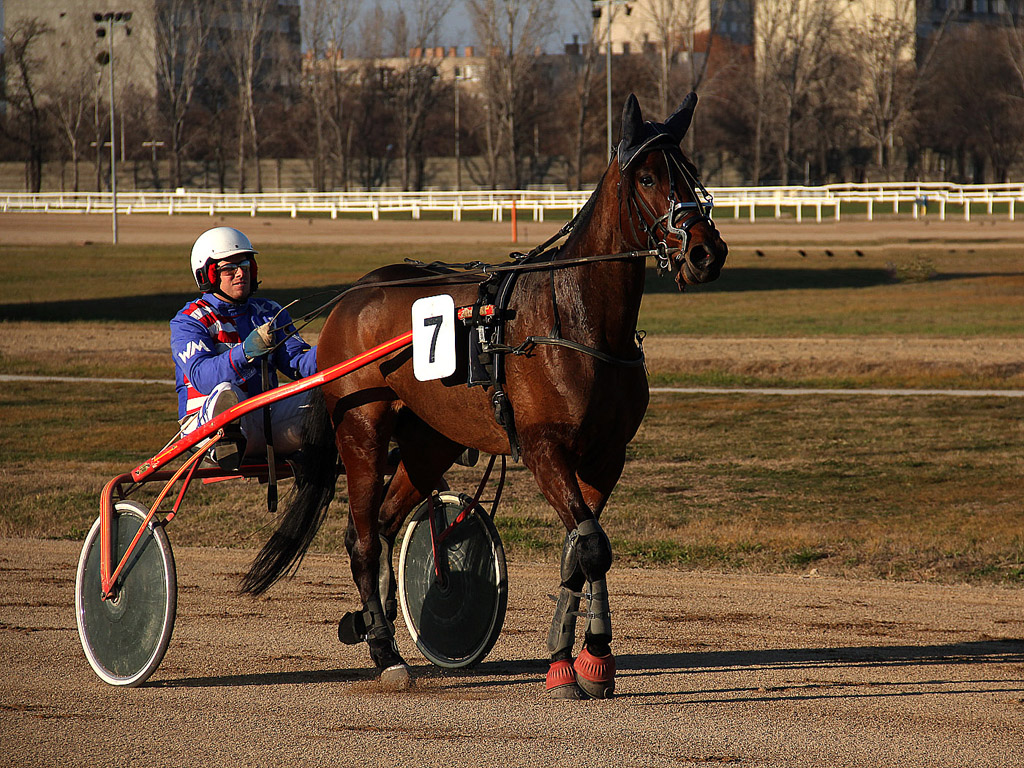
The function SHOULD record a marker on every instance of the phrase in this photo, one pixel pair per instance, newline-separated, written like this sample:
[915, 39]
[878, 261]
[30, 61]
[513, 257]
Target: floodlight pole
[109, 19]
[113, 145]
[458, 159]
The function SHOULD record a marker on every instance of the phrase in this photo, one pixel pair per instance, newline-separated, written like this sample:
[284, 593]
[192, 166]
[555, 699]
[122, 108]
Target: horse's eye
[647, 180]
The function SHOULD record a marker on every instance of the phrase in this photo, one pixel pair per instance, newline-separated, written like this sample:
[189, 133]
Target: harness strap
[532, 342]
[471, 274]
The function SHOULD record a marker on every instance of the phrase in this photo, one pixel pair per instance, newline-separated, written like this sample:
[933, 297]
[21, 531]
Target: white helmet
[212, 246]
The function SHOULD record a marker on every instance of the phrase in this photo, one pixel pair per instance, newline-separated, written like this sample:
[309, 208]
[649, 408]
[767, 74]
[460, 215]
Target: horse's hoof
[595, 674]
[396, 678]
[561, 681]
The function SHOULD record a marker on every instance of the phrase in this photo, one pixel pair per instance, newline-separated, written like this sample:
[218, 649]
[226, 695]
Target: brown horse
[574, 406]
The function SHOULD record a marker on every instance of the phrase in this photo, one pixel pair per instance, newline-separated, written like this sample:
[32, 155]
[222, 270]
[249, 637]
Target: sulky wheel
[455, 619]
[125, 636]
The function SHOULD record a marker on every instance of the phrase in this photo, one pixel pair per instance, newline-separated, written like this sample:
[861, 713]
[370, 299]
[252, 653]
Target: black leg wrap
[380, 635]
[562, 634]
[372, 625]
[595, 558]
[599, 620]
[586, 558]
[593, 549]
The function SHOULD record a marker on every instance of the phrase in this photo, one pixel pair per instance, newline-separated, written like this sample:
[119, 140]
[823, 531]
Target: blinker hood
[639, 135]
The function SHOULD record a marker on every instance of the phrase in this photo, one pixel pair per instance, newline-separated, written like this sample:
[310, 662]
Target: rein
[528, 262]
[470, 272]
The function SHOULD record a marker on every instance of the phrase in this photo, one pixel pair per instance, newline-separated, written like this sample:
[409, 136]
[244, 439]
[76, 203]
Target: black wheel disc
[454, 620]
[125, 637]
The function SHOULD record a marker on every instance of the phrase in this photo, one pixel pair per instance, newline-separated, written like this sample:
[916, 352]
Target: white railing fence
[795, 202]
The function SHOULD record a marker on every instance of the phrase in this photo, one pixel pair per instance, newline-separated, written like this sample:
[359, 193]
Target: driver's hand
[259, 342]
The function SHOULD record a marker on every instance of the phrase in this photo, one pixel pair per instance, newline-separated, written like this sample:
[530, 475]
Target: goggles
[230, 267]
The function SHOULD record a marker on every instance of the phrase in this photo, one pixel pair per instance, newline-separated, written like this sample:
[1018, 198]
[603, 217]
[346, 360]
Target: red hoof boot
[595, 674]
[561, 682]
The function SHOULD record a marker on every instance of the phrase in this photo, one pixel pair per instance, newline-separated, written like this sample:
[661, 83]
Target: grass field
[894, 487]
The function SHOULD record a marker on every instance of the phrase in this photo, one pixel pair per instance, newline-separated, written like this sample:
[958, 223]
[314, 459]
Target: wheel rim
[125, 637]
[454, 623]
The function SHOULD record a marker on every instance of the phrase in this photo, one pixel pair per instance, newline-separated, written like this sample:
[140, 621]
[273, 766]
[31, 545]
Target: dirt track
[50, 229]
[714, 669]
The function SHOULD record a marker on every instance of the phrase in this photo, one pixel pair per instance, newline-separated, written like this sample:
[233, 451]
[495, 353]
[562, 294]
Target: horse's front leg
[586, 559]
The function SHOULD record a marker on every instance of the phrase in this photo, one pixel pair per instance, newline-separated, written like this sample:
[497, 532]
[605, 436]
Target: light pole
[458, 160]
[106, 23]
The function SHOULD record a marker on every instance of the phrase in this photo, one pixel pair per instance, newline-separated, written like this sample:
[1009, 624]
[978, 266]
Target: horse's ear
[679, 123]
[632, 121]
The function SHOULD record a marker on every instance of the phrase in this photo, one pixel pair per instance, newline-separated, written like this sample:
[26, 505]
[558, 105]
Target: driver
[219, 341]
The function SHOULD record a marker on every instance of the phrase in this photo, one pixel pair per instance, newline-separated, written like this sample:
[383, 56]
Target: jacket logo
[191, 349]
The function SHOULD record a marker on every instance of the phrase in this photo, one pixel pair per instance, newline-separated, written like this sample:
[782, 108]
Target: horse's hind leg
[362, 439]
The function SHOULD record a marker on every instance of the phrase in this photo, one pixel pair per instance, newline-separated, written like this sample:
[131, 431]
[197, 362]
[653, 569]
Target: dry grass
[921, 488]
[889, 487]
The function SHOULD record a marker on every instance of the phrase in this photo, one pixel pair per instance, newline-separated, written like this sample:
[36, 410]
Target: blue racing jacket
[206, 343]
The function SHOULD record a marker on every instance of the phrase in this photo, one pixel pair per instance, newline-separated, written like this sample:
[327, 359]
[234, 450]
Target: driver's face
[234, 275]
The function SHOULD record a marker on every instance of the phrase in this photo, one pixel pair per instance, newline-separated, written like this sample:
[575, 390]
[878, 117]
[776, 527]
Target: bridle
[680, 217]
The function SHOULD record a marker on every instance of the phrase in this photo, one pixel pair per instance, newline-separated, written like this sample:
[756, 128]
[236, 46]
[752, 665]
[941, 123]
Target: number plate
[433, 337]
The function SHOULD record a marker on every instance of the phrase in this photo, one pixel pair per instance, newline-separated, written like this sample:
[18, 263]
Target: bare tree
[25, 121]
[893, 69]
[512, 33]
[71, 93]
[1013, 22]
[581, 79]
[182, 30]
[244, 44]
[967, 111]
[326, 25]
[418, 86]
[679, 27]
[795, 42]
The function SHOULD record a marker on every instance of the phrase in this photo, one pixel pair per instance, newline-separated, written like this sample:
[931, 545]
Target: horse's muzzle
[703, 260]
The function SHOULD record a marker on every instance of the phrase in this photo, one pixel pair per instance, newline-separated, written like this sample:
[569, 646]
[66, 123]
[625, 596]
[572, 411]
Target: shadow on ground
[984, 652]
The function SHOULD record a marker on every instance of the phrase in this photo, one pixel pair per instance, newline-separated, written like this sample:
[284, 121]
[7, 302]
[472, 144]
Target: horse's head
[662, 204]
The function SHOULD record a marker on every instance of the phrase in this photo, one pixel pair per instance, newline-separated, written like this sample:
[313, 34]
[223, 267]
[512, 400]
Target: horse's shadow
[499, 673]
[978, 652]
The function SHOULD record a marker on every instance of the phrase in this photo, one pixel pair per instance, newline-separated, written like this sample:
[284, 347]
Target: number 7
[436, 321]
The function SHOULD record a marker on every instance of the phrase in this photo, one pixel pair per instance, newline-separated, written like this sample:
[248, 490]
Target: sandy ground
[713, 669]
[43, 229]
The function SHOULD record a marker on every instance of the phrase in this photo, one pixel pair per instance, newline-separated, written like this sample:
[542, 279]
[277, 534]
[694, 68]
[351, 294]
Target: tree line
[812, 99]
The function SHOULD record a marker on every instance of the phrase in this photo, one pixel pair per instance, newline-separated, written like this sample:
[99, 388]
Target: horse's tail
[307, 505]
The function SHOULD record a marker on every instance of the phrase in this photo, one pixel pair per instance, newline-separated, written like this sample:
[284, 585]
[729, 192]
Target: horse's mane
[581, 221]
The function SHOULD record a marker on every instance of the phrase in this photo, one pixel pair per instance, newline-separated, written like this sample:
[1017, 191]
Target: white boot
[230, 449]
